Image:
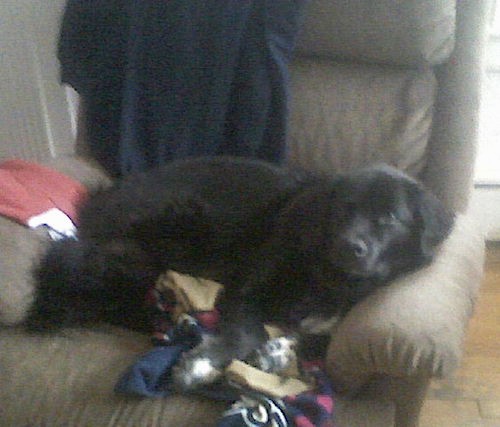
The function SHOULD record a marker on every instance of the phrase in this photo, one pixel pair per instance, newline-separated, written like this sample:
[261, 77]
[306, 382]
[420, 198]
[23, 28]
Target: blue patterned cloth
[308, 409]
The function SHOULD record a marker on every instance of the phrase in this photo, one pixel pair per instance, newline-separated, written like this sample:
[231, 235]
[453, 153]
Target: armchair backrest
[388, 80]
[393, 81]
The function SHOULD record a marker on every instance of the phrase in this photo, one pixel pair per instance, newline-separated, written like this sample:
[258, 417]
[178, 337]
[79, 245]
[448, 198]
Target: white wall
[485, 201]
[485, 206]
[34, 116]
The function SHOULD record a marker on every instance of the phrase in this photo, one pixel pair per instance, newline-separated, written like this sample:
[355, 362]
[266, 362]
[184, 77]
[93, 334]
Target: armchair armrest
[415, 326]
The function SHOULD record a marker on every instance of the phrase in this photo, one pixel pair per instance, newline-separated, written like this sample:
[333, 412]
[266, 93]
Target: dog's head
[385, 224]
[376, 224]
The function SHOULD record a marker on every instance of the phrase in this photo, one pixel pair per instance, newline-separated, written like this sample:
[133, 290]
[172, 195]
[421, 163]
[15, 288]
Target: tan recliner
[394, 81]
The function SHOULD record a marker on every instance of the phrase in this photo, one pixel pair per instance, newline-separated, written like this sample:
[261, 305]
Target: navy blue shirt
[166, 79]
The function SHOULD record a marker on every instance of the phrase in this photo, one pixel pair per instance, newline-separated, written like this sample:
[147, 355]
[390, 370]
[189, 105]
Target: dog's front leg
[240, 334]
[241, 330]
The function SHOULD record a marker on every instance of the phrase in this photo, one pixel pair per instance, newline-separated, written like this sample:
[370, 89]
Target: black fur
[284, 244]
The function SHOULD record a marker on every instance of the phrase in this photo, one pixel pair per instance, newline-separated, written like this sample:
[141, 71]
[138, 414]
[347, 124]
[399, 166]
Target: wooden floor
[471, 398]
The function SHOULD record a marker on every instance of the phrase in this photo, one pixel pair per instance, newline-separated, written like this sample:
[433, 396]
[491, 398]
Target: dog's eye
[388, 220]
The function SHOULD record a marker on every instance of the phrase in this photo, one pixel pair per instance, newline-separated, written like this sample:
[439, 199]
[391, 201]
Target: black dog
[285, 245]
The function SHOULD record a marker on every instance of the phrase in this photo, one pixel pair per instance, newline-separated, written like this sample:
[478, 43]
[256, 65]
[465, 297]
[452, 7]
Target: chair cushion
[20, 247]
[68, 379]
[349, 115]
[384, 31]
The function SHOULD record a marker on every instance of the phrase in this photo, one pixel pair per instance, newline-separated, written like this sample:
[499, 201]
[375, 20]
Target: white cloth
[58, 224]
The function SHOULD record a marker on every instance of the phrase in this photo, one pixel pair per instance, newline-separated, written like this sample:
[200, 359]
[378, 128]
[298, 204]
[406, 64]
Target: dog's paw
[276, 355]
[194, 372]
[198, 367]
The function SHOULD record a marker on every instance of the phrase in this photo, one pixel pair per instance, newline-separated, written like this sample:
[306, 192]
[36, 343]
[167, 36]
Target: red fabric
[28, 189]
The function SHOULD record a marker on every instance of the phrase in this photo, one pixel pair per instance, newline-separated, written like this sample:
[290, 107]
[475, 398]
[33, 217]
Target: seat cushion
[411, 32]
[349, 115]
[68, 379]
[20, 247]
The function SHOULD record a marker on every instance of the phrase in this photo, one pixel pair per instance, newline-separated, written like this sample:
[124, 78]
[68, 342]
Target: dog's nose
[359, 247]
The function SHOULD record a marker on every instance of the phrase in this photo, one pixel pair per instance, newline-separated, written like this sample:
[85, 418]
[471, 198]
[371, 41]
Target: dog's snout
[358, 247]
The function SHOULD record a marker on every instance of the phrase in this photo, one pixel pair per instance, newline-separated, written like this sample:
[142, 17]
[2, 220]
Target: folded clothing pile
[184, 310]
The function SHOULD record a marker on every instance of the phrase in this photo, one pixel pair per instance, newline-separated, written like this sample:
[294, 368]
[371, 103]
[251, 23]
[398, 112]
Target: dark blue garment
[166, 79]
[149, 376]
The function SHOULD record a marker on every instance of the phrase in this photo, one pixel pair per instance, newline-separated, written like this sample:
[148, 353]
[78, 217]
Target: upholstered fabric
[68, 379]
[452, 147]
[346, 115]
[410, 32]
[19, 249]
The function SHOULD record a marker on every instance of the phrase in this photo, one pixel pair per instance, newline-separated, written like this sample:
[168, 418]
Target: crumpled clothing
[176, 332]
[307, 409]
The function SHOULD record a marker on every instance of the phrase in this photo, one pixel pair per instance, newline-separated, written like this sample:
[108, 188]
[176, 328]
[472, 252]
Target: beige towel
[191, 293]
[264, 382]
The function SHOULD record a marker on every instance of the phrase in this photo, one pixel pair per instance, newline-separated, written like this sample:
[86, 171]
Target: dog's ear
[434, 220]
